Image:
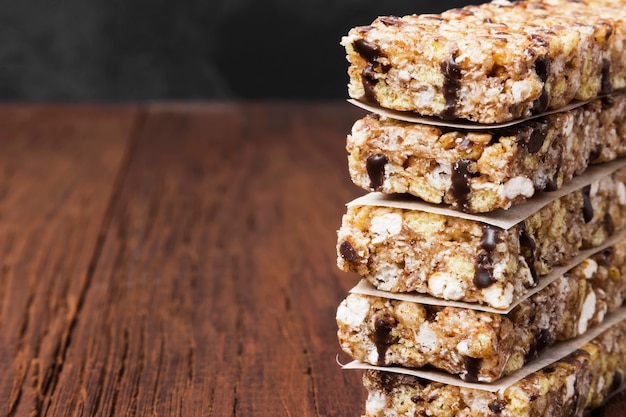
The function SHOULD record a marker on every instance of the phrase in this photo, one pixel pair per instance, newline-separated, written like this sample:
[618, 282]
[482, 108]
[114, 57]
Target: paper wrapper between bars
[458, 124]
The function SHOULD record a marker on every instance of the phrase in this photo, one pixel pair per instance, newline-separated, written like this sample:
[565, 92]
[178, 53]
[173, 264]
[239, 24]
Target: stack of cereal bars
[492, 245]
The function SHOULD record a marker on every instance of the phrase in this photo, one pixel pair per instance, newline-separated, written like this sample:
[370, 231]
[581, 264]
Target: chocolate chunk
[460, 187]
[595, 153]
[537, 136]
[587, 207]
[431, 311]
[391, 20]
[497, 406]
[452, 82]
[542, 103]
[375, 166]
[472, 367]
[607, 85]
[609, 224]
[348, 253]
[527, 249]
[382, 336]
[542, 340]
[368, 50]
[542, 68]
[483, 271]
[490, 237]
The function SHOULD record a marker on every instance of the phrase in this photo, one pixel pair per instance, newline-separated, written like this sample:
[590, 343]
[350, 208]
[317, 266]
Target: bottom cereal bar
[566, 388]
[479, 345]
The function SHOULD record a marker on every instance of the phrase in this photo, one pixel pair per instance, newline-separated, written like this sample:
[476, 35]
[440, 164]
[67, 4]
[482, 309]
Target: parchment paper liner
[547, 357]
[411, 117]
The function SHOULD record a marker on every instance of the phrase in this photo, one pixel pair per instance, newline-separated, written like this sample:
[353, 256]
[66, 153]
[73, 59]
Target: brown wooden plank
[216, 290]
[58, 165]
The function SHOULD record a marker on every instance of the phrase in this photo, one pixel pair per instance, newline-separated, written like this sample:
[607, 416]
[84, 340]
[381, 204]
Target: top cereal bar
[491, 63]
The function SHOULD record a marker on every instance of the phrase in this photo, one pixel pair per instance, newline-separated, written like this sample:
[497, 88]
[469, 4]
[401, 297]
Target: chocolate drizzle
[368, 50]
[607, 85]
[371, 52]
[460, 187]
[542, 68]
[382, 336]
[587, 207]
[472, 368]
[537, 136]
[452, 82]
[490, 238]
[527, 249]
[369, 81]
[483, 270]
[543, 339]
[375, 166]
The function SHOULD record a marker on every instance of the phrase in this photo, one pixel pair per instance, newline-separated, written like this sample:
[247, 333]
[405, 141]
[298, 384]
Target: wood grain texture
[216, 290]
[177, 260]
[57, 172]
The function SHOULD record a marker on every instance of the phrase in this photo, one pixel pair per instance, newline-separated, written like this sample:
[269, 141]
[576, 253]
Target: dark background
[188, 49]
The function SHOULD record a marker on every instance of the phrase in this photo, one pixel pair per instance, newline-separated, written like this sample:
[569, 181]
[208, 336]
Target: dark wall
[185, 49]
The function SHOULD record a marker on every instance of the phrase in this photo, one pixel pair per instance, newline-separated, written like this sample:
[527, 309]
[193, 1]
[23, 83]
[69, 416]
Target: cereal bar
[479, 345]
[402, 250]
[480, 171]
[580, 381]
[490, 63]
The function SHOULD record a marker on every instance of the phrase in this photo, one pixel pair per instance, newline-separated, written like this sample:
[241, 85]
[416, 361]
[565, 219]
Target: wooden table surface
[175, 259]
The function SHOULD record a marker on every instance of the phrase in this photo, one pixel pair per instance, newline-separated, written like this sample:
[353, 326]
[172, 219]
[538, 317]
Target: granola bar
[478, 345]
[480, 171]
[581, 381]
[401, 250]
[490, 63]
